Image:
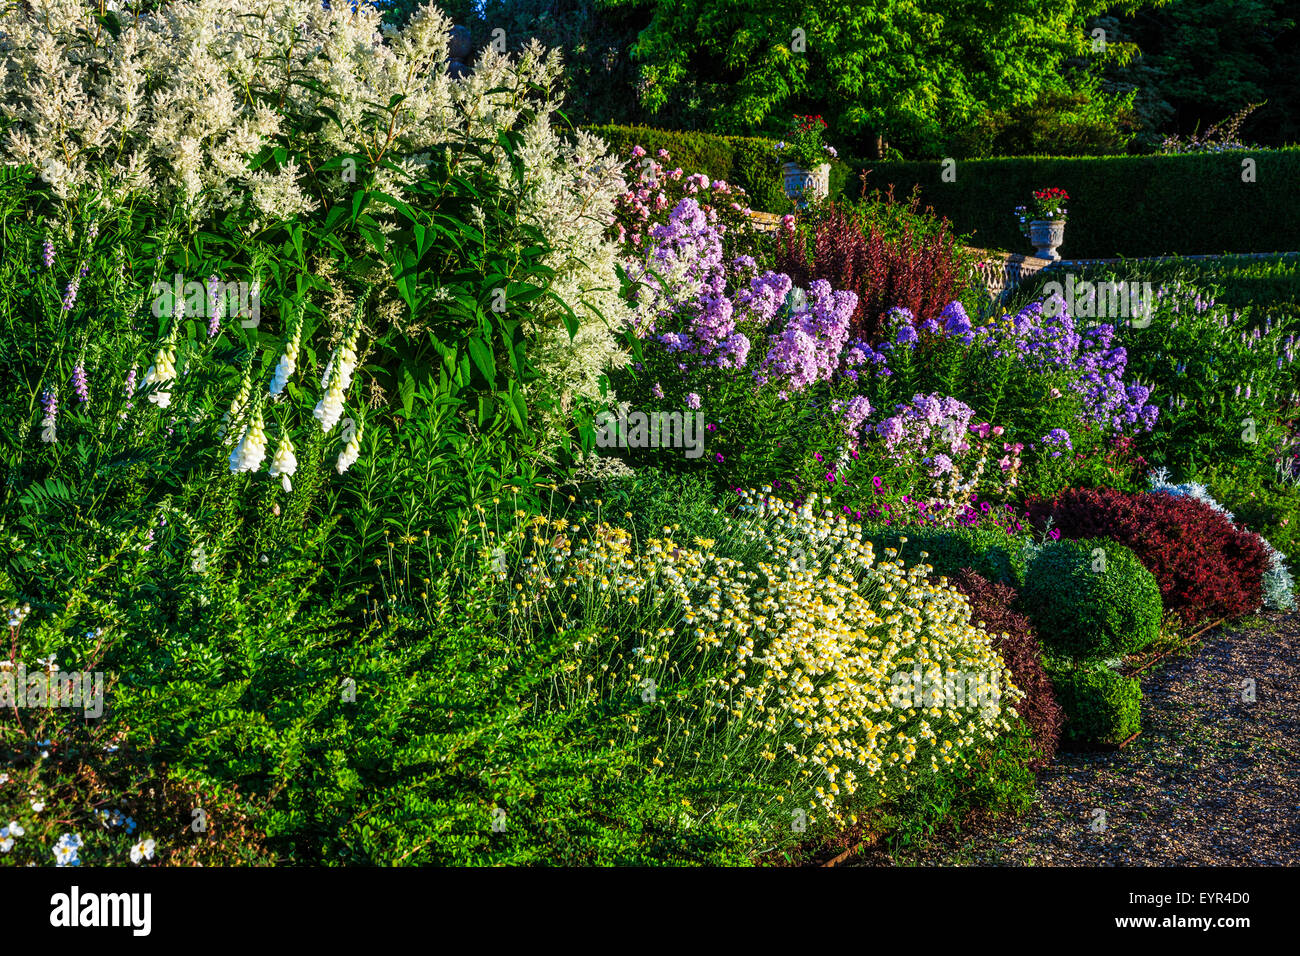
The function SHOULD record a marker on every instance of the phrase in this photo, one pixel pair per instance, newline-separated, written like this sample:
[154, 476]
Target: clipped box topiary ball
[1101, 707]
[1092, 599]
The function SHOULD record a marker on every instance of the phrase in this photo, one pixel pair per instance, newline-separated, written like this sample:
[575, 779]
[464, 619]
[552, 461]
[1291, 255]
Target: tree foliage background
[925, 77]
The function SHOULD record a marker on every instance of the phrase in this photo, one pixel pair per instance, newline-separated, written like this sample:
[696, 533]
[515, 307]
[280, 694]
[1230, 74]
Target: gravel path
[1212, 780]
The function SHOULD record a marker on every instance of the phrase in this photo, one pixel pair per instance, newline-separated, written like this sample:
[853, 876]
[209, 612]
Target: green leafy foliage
[908, 70]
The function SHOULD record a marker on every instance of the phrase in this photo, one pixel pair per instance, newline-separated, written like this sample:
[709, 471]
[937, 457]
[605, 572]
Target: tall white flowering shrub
[170, 106]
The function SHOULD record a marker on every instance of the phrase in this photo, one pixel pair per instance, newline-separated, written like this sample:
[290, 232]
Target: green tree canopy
[912, 70]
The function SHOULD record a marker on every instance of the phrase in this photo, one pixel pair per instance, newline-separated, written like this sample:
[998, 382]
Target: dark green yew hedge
[1121, 205]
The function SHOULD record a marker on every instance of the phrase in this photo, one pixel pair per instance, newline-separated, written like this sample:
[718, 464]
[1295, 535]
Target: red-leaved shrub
[1205, 566]
[911, 267]
[991, 608]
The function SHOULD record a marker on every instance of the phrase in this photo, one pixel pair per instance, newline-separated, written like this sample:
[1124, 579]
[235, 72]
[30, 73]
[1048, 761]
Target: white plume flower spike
[172, 103]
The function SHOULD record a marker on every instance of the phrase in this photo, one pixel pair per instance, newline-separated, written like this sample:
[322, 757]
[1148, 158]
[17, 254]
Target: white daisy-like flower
[65, 854]
[38, 806]
[143, 851]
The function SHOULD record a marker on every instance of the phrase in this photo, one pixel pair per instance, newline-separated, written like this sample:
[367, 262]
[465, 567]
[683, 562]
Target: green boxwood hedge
[1088, 605]
[993, 554]
[1192, 204]
[1102, 707]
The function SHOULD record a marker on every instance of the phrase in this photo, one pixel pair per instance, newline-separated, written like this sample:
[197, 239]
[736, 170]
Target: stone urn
[1046, 235]
[802, 184]
[459, 50]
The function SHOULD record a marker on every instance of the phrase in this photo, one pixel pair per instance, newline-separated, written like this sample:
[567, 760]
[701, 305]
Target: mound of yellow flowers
[812, 666]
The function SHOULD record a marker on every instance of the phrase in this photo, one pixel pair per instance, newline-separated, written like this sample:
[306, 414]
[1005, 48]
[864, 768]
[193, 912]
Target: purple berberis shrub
[809, 349]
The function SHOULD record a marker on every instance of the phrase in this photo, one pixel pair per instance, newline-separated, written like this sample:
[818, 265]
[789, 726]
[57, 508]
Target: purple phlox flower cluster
[898, 327]
[928, 421]
[858, 355]
[764, 297]
[688, 254]
[853, 415]
[940, 464]
[809, 348]
[956, 323]
[733, 352]
[1047, 340]
[1057, 438]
